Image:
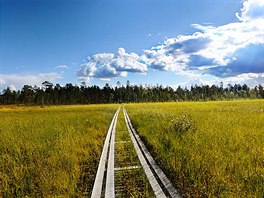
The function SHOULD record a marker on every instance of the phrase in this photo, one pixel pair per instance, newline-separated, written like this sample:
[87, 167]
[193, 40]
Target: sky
[165, 42]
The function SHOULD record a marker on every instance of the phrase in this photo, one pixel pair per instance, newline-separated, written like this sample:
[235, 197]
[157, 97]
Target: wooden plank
[163, 178]
[127, 168]
[122, 142]
[98, 183]
[110, 176]
[151, 178]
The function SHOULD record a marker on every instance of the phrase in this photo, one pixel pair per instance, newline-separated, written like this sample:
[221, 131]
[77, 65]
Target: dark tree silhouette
[49, 94]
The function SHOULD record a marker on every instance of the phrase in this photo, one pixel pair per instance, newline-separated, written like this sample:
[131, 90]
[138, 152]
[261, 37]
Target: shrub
[182, 124]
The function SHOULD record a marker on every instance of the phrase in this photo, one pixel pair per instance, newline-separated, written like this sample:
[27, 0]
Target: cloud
[202, 27]
[62, 67]
[252, 9]
[16, 81]
[249, 59]
[251, 79]
[186, 46]
[196, 60]
[108, 65]
[193, 82]
[85, 80]
[224, 51]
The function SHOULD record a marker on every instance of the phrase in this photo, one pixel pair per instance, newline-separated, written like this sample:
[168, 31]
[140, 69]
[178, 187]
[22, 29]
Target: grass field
[51, 151]
[209, 149]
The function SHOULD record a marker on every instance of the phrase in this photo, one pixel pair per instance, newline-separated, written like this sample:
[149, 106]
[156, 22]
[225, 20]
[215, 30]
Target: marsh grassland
[51, 151]
[208, 149]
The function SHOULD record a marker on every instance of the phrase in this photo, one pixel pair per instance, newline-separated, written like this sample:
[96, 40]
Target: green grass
[208, 149]
[51, 151]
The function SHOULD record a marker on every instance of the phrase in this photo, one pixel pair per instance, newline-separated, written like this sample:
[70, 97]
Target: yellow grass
[51, 151]
[208, 149]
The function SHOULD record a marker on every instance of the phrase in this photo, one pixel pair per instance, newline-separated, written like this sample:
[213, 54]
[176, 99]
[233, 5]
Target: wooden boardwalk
[104, 185]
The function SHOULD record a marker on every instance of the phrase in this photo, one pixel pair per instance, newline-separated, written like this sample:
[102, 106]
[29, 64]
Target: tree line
[49, 94]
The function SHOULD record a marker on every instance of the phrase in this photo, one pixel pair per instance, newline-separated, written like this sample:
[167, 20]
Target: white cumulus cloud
[16, 81]
[224, 51]
[109, 65]
[233, 50]
[251, 79]
[252, 9]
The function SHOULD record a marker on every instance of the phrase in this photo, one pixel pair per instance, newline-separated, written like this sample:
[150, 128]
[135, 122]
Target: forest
[50, 94]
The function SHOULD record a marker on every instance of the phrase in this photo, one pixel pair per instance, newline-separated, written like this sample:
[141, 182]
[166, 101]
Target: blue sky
[167, 42]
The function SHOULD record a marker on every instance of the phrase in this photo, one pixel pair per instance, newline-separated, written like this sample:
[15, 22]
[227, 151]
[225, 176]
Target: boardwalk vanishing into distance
[126, 168]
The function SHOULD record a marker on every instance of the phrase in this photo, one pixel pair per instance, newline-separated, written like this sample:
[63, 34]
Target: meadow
[207, 149]
[51, 151]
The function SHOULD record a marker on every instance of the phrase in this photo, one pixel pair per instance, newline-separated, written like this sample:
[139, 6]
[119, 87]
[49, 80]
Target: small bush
[182, 124]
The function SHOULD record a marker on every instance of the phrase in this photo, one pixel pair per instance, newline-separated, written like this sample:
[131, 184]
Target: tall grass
[52, 151]
[208, 149]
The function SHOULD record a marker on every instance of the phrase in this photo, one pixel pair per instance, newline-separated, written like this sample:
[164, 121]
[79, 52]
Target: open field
[207, 148]
[51, 151]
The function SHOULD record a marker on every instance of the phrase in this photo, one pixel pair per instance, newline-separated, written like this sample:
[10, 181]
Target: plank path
[104, 184]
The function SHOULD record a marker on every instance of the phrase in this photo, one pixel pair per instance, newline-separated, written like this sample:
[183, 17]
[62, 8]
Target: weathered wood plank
[110, 176]
[127, 168]
[122, 142]
[163, 178]
[98, 183]
[151, 178]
